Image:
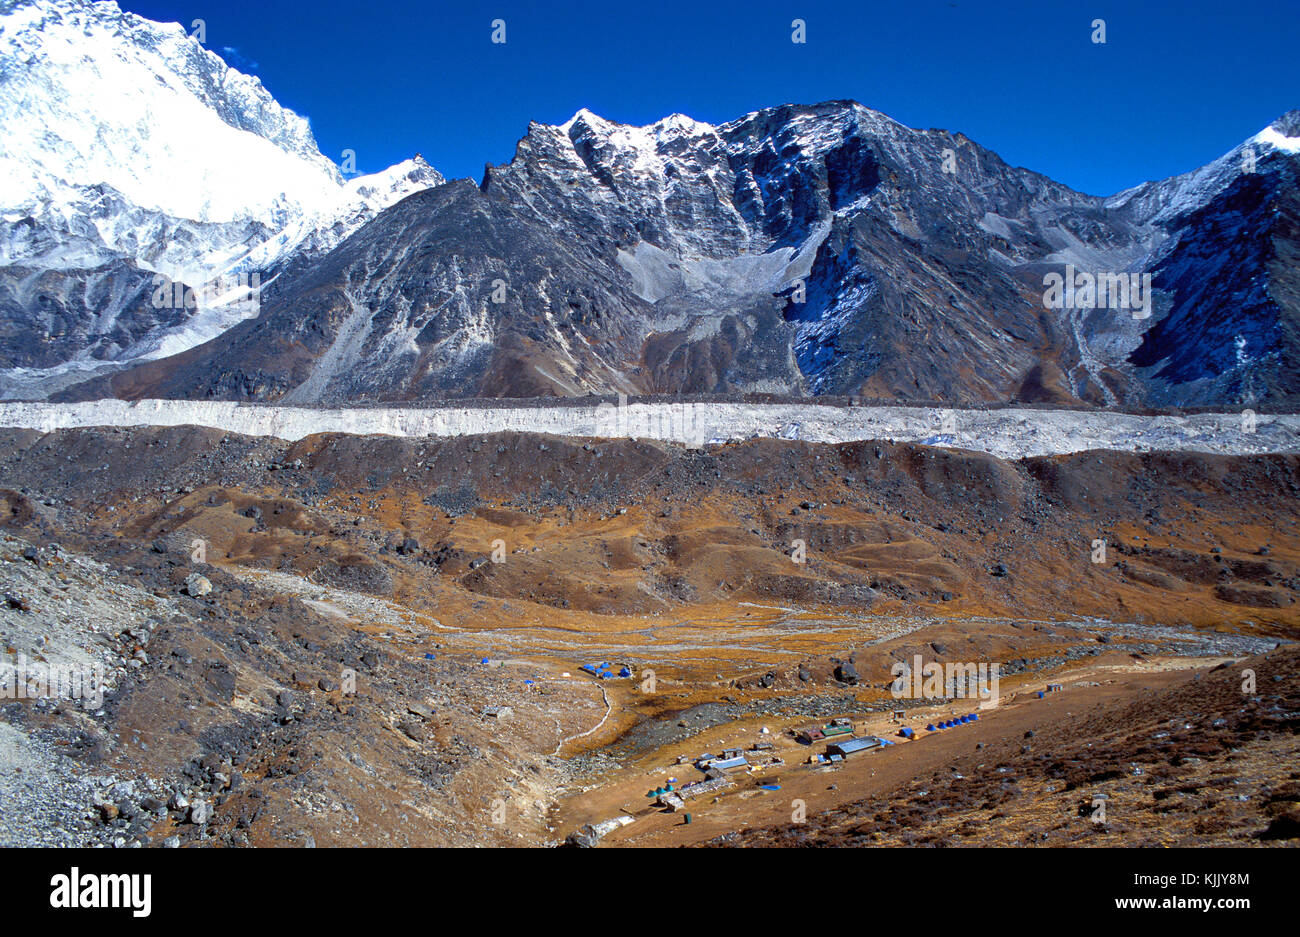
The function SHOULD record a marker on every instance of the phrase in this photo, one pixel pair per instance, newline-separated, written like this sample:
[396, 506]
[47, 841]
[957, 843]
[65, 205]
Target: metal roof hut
[729, 764]
[850, 746]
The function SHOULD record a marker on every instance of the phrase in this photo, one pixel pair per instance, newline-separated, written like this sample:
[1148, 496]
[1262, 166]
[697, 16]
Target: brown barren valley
[390, 649]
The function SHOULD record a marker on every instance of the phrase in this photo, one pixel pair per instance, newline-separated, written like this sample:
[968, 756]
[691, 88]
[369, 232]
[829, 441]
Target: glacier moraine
[1006, 433]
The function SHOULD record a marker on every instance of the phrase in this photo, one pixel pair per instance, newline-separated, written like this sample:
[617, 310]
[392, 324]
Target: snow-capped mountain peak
[1276, 136]
[131, 150]
[97, 97]
[1161, 201]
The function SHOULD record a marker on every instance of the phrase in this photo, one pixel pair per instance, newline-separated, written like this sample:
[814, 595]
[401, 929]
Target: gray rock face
[798, 250]
[49, 316]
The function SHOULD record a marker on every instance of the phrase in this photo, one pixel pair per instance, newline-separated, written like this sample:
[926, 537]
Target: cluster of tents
[604, 671]
[953, 723]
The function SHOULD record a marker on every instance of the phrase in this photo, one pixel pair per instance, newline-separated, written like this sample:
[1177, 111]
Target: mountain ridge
[822, 249]
[692, 239]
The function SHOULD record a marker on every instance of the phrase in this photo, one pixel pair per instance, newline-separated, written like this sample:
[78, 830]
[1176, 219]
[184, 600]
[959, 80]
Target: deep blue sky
[1176, 85]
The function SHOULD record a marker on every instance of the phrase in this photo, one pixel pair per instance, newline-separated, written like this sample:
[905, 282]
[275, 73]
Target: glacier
[1009, 433]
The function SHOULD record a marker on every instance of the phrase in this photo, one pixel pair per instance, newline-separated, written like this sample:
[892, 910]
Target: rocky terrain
[364, 639]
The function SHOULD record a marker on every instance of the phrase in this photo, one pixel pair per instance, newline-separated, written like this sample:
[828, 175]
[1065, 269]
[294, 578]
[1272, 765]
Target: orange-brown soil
[727, 572]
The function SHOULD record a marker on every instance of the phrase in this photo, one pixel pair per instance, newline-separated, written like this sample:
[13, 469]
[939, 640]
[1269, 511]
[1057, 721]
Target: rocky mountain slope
[806, 250]
[1230, 273]
[798, 250]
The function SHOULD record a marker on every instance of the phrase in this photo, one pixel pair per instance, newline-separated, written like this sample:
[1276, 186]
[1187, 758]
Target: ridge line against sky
[1175, 86]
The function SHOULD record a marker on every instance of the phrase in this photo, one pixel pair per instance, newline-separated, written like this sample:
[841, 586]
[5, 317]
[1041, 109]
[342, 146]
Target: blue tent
[906, 733]
[430, 656]
[625, 672]
[974, 717]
